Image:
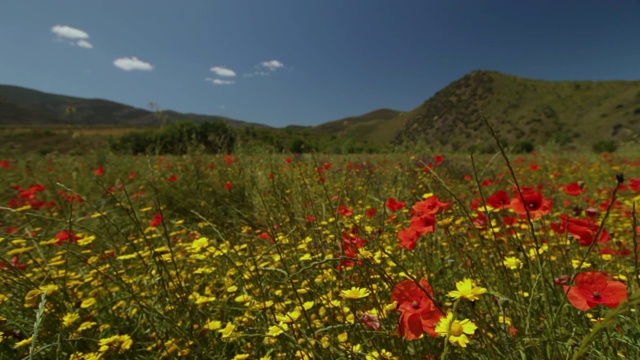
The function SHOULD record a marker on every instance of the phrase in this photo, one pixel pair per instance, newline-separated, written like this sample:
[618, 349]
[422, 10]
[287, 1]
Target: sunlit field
[394, 256]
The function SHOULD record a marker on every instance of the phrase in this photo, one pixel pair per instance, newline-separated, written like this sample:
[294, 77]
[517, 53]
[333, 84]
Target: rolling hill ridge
[567, 113]
[22, 106]
[536, 111]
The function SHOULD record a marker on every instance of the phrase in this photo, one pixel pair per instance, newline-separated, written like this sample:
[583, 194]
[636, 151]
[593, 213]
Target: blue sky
[305, 62]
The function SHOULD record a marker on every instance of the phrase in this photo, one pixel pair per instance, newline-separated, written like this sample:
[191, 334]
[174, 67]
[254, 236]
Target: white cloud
[220, 82]
[132, 63]
[272, 65]
[223, 71]
[68, 32]
[69, 35]
[84, 44]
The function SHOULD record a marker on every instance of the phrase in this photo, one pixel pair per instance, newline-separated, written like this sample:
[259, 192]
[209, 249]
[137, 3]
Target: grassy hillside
[377, 127]
[570, 113]
[21, 106]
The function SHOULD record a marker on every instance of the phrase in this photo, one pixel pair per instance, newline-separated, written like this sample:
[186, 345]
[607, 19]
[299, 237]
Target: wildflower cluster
[397, 256]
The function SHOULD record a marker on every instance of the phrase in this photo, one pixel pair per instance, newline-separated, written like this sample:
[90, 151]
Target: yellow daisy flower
[354, 293]
[467, 289]
[459, 329]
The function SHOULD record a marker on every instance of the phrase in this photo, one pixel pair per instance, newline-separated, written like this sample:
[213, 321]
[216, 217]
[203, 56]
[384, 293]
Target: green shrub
[604, 146]
[523, 146]
[178, 138]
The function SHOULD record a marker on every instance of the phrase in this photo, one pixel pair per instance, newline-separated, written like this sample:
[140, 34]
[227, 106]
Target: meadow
[410, 255]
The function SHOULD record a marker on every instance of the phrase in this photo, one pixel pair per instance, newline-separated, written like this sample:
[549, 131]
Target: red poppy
[499, 200]
[15, 264]
[34, 202]
[157, 220]
[265, 236]
[423, 224]
[429, 206]
[408, 238]
[419, 314]
[99, 171]
[623, 251]
[584, 230]
[487, 183]
[573, 189]
[371, 212]
[66, 235]
[438, 159]
[70, 197]
[344, 210]
[351, 242]
[634, 184]
[593, 288]
[228, 185]
[10, 230]
[534, 202]
[172, 178]
[393, 205]
[230, 159]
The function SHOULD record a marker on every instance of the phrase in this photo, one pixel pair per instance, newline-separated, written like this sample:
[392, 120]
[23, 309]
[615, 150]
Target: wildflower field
[388, 256]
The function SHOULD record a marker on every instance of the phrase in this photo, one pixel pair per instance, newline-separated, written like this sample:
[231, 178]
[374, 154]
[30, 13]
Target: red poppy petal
[591, 282]
[410, 326]
[577, 299]
[614, 294]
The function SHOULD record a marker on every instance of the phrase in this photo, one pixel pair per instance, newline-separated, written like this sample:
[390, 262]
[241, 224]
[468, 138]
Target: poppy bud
[577, 211]
[562, 280]
[620, 178]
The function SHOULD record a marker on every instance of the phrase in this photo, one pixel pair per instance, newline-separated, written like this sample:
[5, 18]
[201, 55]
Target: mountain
[536, 111]
[568, 113]
[379, 126]
[21, 106]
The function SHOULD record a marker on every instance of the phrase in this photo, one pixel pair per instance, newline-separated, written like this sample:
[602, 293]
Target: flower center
[415, 305]
[456, 329]
[596, 295]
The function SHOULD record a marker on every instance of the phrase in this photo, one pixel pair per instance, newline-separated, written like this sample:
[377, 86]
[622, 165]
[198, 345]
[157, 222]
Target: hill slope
[520, 109]
[21, 106]
[379, 126]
